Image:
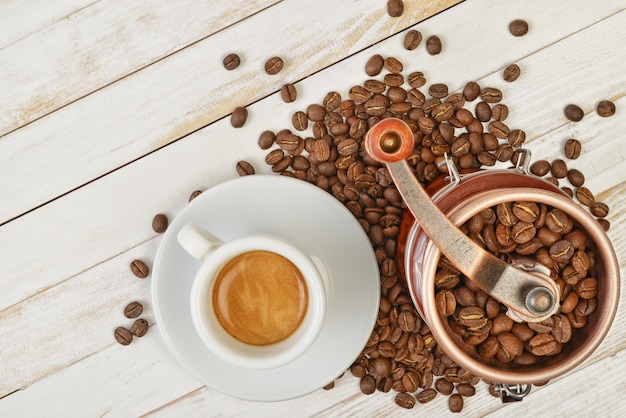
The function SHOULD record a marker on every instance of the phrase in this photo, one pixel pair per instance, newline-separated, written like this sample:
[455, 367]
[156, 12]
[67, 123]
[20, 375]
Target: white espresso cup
[256, 301]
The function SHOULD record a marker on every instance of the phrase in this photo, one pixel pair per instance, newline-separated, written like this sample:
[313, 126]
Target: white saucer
[311, 219]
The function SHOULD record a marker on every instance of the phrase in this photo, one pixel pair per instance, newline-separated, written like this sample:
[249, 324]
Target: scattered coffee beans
[573, 112]
[412, 39]
[433, 45]
[511, 73]
[274, 65]
[123, 335]
[238, 117]
[288, 93]
[518, 27]
[139, 327]
[231, 61]
[133, 310]
[139, 269]
[159, 223]
[244, 168]
[395, 8]
[606, 108]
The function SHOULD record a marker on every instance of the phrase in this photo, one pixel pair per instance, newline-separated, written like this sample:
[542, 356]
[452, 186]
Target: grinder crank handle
[529, 296]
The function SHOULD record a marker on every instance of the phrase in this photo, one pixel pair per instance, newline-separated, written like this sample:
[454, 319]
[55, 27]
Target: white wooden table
[112, 111]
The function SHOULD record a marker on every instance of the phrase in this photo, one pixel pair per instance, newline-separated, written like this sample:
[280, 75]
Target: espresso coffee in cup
[256, 301]
[260, 297]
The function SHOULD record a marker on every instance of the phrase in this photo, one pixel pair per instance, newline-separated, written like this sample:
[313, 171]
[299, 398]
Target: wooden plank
[99, 45]
[20, 18]
[174, 96]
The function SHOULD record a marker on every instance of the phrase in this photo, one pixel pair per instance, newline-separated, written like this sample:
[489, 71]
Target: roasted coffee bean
[266, 139]
[238, 117]
[585, 196]
[244, 168]
[139, 327]
[575, 177]
[562, 330]
[489, 348]
[542, 344]
[445, 302]
[585, 307]
[599, 209]
[426, 395]
[444, 387]
[572, 148]
[274, 65]
[133, 310]
[483, 111]
[540, 168]
[123, 335]
[288, 93]
[518, 27]
[300, 121]
[573, 112]
[605, 108]
[465, 389]
[559, 169]
[381, 366]
[587, 288]
[471, 91]
[159, 223]
[405, 400]
[501, 323]
[395, 8]
[231, 61]
[526, 211]
[455, 403]
[522, 331]
[464, 296]
[498, 129]
[516, 138]
[412, 39]
[441, 112]
[433, 45]
[393, 65]
[438, 90]
[367, 384]
[358, 370]
[316, 112]
[562, 251]
[194, 194]
[139, 269]
[511, 73]
[500, 112]
[491, 95]
[416, 80]
[374, 65]
[505, 214]
[411, 381]
[557, 221]
[472, 316]
[509, 347]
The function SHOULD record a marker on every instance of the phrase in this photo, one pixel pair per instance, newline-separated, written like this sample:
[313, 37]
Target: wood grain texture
[129, 118]
[111, 160]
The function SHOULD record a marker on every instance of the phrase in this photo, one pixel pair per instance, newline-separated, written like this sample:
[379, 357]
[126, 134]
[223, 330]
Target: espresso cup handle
[198, 242]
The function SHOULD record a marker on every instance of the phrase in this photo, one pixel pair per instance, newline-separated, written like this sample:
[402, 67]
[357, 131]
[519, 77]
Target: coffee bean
[605, 108]
[266, 139]
[455, 403]
[288, 93]
[239, 117]
[562, 251]
[231, 61]
[395, 8]
[562, 330]
[139, 327]
[557, 221]
[393, 65]
[244, 168]
[500, 112]
[159, 223]
[465, 389]
[585, 196]
[587, 288]
[139, 269]
[412, 39]
[471, 316]
[540, 168]
[411, 381]
[133, 310]
[464, 296]
[572, 148]
[374, 65]
[316, 112]
[194, 194]
[123, 335]
[491, 95]
[509, 347]
[433, 45]
[511, 73]
[300, 121]
[444, 387]
[573, 112]
[516, 138]
[599, 209]
[575, 177]
[559, 169]
[498, 129]
[405, 400]
[471, 91]
[518, 27]
[542, 344]
[526, 211]
[367, 384]
[274, 65]
[438, 90]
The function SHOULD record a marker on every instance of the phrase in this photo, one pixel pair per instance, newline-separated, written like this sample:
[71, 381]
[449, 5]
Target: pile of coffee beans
[536, 232]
